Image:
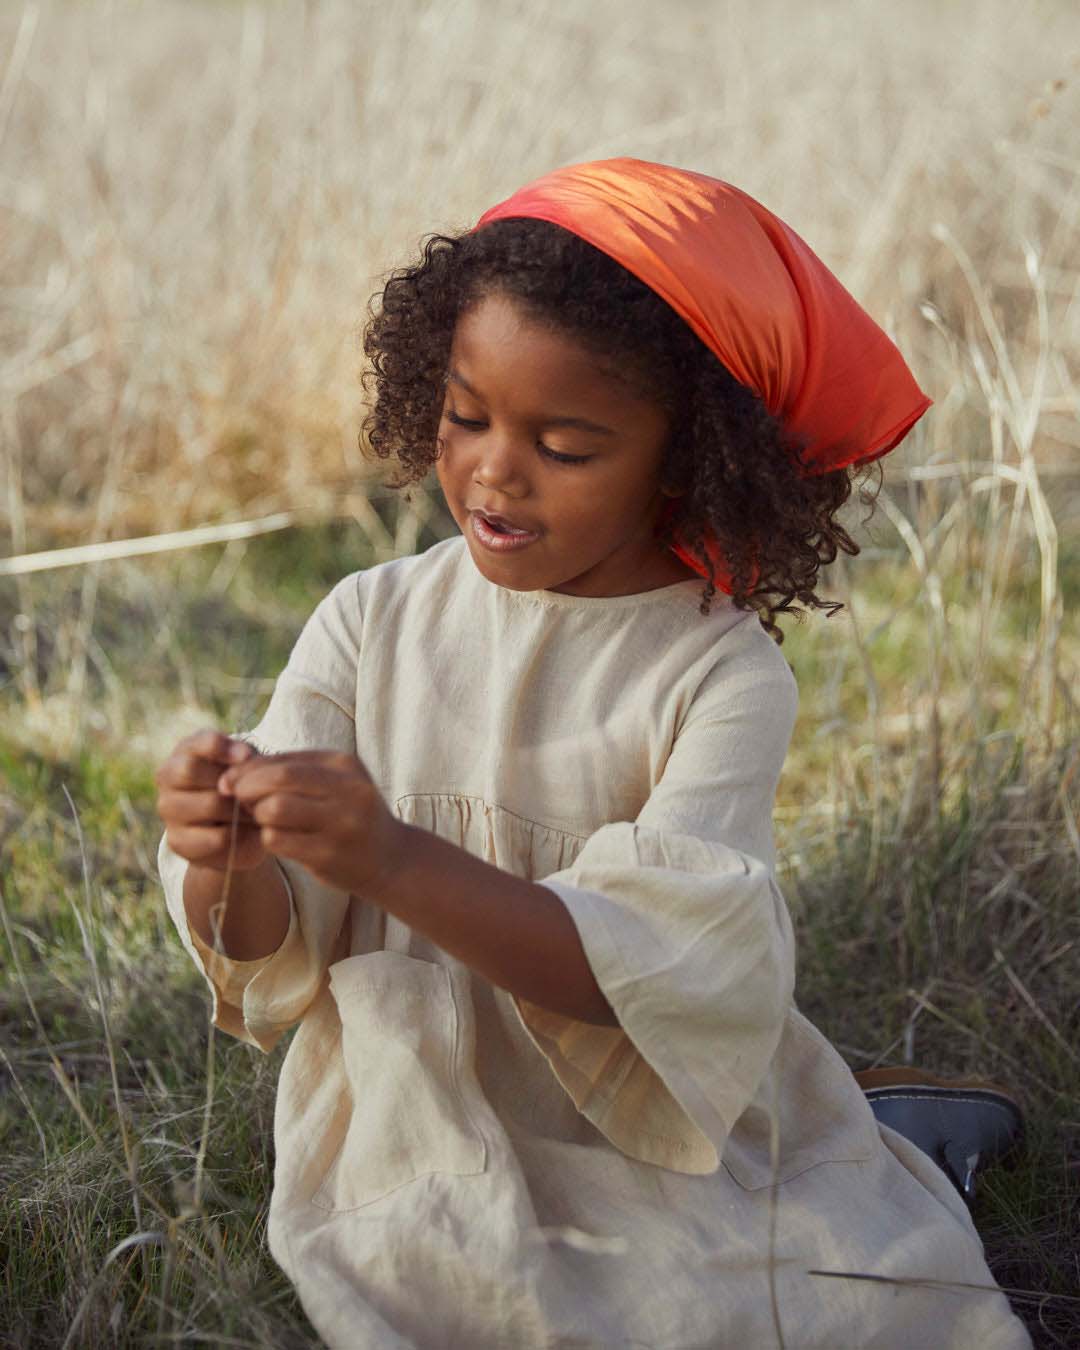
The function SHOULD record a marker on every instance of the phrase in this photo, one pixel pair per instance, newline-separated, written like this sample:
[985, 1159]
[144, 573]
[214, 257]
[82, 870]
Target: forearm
[516, 933]
[255, 918]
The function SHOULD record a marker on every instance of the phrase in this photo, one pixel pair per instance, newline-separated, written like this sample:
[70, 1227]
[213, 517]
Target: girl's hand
[322, 809]
[198, 819]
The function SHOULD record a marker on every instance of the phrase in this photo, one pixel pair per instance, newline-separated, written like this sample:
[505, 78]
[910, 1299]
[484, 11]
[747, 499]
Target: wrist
[249, 920]
[400, 841]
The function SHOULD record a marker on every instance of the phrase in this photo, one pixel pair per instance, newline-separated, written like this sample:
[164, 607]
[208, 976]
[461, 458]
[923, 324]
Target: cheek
[448, 472]
[454, 455]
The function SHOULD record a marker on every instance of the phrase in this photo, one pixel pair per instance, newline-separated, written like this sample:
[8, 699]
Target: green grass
[944, 927]
[104, 1026]
[960, 951]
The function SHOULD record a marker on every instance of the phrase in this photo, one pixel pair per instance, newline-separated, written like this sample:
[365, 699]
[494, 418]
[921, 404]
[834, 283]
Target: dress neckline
[676, 591]
[559, 600]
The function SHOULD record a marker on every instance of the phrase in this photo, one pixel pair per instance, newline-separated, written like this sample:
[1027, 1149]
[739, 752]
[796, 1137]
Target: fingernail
[225, 786]
[239, 750]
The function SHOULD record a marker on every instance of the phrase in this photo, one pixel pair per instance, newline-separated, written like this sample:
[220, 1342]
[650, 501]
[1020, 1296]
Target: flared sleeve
[312, 707]
[687, 934]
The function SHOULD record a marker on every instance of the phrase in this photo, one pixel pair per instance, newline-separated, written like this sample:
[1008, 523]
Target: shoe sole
[874, 1080]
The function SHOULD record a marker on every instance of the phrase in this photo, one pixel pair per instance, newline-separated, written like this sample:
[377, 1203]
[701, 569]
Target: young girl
[502, 843]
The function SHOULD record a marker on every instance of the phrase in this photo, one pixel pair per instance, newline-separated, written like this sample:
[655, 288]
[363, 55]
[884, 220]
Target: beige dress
[460, 1168]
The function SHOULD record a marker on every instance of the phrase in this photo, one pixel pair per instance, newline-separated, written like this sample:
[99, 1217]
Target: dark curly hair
[727, 455]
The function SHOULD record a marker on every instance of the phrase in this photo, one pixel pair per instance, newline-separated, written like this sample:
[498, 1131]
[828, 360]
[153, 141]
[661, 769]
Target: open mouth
[498, 536]
[498, 527]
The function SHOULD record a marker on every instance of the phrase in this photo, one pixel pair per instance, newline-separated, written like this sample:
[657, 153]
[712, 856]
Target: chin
[502, 576]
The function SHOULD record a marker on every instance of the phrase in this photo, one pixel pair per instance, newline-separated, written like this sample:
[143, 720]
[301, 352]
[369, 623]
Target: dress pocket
[822, 1114]
[407, 1030]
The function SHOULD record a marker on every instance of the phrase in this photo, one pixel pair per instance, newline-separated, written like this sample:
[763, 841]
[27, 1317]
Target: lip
[498, 543]
[500, 519]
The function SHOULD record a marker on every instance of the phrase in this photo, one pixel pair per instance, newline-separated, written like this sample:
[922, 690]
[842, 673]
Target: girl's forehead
[492, 318]
[509, 360]
[497, 337]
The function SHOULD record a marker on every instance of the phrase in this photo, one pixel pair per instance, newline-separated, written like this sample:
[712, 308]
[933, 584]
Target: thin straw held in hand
[217, 923]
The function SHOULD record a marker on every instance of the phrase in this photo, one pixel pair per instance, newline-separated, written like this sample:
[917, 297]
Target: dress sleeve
[312, 707]
[688, 936]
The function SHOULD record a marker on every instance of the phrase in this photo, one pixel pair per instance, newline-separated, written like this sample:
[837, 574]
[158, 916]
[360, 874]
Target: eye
[472, 425]
[563, 459]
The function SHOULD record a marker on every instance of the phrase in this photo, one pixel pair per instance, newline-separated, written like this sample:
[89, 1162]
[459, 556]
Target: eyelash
[551, 454]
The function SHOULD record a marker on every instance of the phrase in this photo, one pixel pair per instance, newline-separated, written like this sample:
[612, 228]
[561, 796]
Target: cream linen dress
[460, 1168]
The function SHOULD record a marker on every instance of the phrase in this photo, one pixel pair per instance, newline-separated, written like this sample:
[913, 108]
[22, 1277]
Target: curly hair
[728, 457]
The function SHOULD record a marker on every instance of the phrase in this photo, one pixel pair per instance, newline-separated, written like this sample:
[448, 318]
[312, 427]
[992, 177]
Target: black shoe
[964, 1125]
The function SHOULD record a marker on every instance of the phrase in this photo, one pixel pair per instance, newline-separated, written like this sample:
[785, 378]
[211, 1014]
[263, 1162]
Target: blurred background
[197, 202]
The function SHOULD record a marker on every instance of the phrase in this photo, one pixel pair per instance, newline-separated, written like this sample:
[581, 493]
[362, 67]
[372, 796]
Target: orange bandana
[754, 293]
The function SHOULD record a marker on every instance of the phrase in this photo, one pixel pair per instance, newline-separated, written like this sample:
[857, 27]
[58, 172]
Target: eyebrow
[582, 423]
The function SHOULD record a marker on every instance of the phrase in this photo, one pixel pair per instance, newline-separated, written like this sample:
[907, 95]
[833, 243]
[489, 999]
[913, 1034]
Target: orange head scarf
[755, 294]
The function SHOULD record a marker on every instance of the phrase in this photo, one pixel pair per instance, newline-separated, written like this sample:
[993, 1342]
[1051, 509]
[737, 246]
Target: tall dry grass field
[196, 202]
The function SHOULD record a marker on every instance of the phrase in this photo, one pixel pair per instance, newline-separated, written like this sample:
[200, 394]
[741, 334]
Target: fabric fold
[524, 847]
[692, 945]
[255, 1001]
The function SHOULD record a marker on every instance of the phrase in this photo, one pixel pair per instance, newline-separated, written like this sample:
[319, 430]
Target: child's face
[592, 521]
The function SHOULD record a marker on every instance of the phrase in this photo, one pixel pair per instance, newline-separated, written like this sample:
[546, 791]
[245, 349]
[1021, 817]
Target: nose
[500, 465]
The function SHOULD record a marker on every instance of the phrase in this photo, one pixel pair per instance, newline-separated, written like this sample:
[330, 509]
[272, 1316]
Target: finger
[337, 761]
[186, 771]
[199, 808]
[202, 842]
[301, 846]
[289, 812]
[217, 747]
[300, 774]
[197, 761]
